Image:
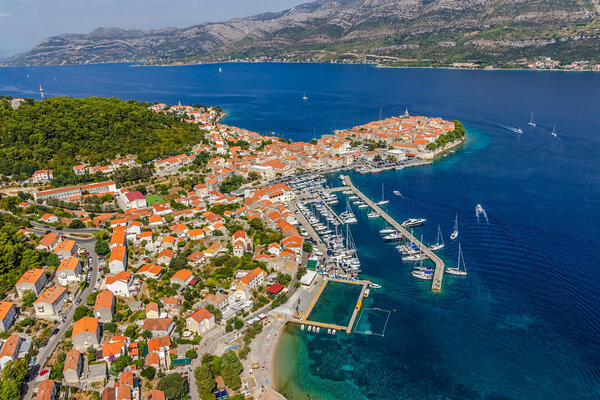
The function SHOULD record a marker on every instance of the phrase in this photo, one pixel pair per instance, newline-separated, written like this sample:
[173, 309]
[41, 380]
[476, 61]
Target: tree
[177, 263]
[80, 312]
[174, 386]
[110, 327]
[205, 381]
[307, 247]
[91, 299]
[191, 353]
[29, 298]
[101, 247]
[52, 260]
[131, 331]
[76, 224]
[231, 370]
[149, 373]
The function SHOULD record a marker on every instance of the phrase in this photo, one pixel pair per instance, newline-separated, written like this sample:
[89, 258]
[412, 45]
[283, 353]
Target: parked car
[43, 372]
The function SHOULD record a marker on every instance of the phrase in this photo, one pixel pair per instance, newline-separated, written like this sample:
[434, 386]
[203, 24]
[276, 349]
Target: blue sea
[525, 322]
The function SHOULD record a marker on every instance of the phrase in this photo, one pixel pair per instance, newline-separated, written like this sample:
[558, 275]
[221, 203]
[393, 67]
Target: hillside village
[153, 276]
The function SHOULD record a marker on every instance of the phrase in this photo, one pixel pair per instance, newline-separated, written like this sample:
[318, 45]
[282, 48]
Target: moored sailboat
[383, 200]
[461, 268]
[440, 241]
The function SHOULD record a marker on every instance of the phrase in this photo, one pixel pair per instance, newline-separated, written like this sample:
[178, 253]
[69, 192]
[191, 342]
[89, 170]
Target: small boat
[309, 329]
[397, 193]
[531, 121]
[302, 327]
[479, 209]
[413, 222]
[519, 130]
[329, 331]
[394, 236]
[387, 231]
[454, 234]
[553, 133]
[318, 329]
[373, 214]
[425, 274]
[333, 332]
[363, 205]
[440, 241]
[373, 285]
[220, 69]
[383, 201]
[304, 96]
[414, 257]
[461, 268]
[367, 293]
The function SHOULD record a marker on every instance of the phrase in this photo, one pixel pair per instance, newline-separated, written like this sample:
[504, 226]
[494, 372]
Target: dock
[438, 275]
[337, 217]
[348, 329]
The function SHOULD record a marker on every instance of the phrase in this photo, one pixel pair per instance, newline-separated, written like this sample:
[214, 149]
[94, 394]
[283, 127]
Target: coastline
[374, 65]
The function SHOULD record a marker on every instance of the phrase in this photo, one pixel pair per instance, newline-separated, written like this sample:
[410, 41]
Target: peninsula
[182, 243]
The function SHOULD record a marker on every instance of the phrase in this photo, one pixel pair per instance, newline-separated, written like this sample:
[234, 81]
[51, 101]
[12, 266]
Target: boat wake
[511, 128]
[479, 211]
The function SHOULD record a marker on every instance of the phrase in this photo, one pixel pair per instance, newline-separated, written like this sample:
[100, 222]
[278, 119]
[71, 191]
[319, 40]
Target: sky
[23, 23]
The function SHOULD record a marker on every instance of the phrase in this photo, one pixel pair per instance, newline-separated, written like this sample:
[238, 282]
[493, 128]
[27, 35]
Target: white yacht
[387, 231]
[397, 193]
[553, 133]
[383, 200]
[454, 234]
[373, 285]
[531, 121]
[414, 257]
[440, 241]
[394, 236]
[373, 214]
[413, 222]
[461, 268]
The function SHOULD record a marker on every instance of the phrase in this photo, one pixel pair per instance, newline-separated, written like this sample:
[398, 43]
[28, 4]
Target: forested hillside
[61, 131]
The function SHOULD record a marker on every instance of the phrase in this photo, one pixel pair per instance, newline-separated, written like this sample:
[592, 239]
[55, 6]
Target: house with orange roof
[152, 310]
[274, 248]
[68, 271]
[86, 333]
[134, 229]
[104, 307]
[122, 284]
[161, 209]
[182, 278]
[158, 326]
[155, 394]
[168, 242]
[73, 367]
[48, 242]
[213, 250]
[179, 230]
[65, 249]
[10, 350]
[118, 259]
[195, 234]
[113, 348]
[42, 176]
[49, 218]
[117, 239]
[50, 302]
[8, 314]
[48, 390]
[33, 280]
[152, 271]
[155, 220]
[200, 321]
[247, 283]
[165, 256]
[196, 258]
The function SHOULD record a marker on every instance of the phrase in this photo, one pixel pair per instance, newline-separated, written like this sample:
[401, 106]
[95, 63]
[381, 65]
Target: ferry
[409, 223]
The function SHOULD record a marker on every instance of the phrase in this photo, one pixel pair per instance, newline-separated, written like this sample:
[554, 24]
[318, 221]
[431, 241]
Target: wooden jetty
[438, 275]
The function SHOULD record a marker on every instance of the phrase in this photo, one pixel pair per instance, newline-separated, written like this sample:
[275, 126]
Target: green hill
[61, 132]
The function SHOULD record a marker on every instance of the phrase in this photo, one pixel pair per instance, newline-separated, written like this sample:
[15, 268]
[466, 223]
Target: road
[67, 322]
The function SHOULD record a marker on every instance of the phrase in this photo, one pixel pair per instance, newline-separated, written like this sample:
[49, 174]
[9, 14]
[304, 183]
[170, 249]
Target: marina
[438, 275]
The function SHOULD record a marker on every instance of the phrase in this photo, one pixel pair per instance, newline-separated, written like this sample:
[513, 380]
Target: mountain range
[501, 33]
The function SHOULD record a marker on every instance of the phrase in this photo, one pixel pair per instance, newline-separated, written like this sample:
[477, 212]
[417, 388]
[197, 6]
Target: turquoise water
[525, 323]
[336, 303]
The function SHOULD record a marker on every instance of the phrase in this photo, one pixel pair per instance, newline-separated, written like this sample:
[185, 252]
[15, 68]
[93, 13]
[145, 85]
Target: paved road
[67, 322]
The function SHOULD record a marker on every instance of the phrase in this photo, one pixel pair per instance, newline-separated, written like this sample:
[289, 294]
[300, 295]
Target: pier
[348, 328]
[438, 275]
[337, 217]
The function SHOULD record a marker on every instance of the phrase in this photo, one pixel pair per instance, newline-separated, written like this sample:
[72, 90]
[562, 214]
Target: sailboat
[454, 234]
[531, 122]
[383, 201]
[553, 133]
[440, 241]
[304, 96]
[461, 263]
